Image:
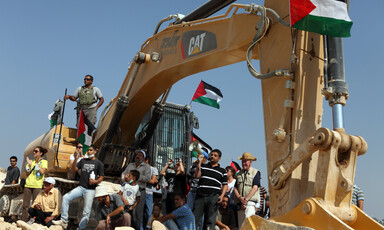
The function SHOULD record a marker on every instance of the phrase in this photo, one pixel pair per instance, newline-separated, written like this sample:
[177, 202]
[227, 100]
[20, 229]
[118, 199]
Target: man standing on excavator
[87, 97]
[247, 188]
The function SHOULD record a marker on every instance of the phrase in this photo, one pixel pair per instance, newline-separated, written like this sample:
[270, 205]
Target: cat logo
[197, 42]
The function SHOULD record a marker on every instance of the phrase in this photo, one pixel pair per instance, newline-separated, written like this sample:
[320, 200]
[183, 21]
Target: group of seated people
[133, 205]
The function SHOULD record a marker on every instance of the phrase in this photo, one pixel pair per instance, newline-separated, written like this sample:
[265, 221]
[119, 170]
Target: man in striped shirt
[261, 211]
[211, 189]
[358, 197]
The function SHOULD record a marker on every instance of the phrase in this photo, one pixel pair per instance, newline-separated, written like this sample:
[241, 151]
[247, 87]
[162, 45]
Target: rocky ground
[21, 225]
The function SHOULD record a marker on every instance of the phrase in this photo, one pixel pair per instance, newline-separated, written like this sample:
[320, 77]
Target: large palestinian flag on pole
[327, 17]
[85, 131]
[208, 95]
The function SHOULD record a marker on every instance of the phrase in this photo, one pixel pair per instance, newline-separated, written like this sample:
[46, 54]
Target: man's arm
[360, 204]
[98, 181]
[99, 96]
[153, 180]
[146, 174]
[136, 202]
[198, 169]
[182, 170]
[122, 198]
[116, 211]
[38, 200]
[72, 98]
[252, 192]
[223, 191]
[125, 172]
[221, 225]
[15, 175]
[101, 101]
[167, 217]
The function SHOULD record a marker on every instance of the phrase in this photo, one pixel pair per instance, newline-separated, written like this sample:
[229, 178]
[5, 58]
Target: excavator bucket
[311, 214]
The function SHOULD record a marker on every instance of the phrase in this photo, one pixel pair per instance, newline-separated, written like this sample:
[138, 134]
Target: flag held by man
[85, 132]
[208, 95]
[327, 17]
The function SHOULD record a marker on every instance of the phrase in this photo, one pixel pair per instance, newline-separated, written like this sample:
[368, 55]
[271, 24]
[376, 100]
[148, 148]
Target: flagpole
[61, 127]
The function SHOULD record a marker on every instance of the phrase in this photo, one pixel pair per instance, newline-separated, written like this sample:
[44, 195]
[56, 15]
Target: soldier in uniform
[89, 99]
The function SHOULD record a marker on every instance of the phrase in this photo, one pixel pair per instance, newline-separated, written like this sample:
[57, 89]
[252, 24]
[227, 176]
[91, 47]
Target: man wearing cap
[110, 211]
[47, 204]
[246, 190]
[145, 176]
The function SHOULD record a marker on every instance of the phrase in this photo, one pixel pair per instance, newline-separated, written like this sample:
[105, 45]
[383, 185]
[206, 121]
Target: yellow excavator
[310, 168]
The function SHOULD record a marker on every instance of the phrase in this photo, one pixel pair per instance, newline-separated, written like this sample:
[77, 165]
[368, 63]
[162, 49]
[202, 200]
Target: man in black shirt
[92, 173]
[13, 172]
[211, 189]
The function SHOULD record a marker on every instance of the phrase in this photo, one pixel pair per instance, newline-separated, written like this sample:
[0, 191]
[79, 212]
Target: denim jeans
[190, 201]
[147, 210]
[139, 211]
[87, 195]
[207, 206]
[171, 224]
[191, 198]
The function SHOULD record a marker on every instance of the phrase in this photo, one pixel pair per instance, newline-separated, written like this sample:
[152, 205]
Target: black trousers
[40, 216]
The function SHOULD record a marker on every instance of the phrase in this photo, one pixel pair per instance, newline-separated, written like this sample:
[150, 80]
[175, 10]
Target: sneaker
[61, 223]
[31, 221]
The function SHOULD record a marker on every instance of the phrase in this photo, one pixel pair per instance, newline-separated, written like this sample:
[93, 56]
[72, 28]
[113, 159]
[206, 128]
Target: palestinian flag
[208, 95]
[84, 132]
[236, 166]
[194, 137]
[327, 17]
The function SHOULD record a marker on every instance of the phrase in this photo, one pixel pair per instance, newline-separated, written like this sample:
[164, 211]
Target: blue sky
[47, 46]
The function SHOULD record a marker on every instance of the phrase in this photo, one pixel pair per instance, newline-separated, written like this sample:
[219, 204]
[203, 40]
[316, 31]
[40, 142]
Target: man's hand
[38, 206]
[92, 182]
[161, 219]
[108, 221]
[220, 199]
[243, 200]
[226, 228]
[201, 157]
[49, 218]
[170, 162]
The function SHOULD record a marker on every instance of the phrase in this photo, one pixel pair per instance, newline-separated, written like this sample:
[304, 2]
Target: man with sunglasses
[13, 172]
[89, 99]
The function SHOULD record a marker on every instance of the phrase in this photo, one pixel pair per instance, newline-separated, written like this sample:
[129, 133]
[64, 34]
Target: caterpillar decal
[197, 42]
